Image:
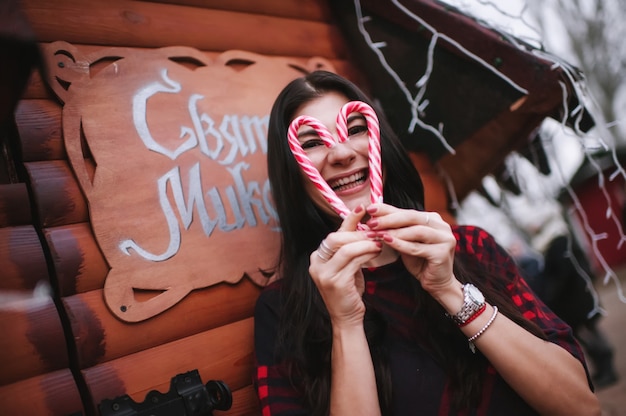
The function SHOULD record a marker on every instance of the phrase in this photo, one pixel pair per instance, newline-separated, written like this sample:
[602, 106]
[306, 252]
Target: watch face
[475, 294]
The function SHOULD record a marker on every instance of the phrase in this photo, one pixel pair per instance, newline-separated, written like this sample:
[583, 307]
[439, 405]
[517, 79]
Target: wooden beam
[58, 198]
[224, 353]
[313, 10]
[53, 393]
[39, 127]
[483, 152]
[14, 205]
[22, 259]
[152, 25]
[101, 337]
[32, 342]
[78, 262]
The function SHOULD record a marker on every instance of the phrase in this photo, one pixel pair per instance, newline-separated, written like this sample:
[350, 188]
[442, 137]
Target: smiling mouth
[349, 182]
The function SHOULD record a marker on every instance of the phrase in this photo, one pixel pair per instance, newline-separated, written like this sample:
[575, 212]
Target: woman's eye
[309, 144]
[354, 130]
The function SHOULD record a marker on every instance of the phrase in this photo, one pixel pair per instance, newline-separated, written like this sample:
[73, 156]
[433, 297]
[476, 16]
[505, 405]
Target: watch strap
[470, 306]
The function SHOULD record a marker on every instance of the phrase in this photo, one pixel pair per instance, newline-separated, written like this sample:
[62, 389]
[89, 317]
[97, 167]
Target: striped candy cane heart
[306, 164]
[328, 140]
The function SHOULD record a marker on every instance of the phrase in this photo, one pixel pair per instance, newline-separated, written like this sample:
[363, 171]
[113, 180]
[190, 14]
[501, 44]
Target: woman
[377, 320]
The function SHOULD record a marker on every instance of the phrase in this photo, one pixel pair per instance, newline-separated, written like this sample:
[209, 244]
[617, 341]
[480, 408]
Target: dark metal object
[187, 396]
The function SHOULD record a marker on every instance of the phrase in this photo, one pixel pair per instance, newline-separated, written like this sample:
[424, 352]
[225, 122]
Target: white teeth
[352, 179]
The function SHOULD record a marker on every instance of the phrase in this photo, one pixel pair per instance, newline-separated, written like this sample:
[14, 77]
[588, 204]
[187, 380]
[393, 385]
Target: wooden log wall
[36, 377]
[62, 350]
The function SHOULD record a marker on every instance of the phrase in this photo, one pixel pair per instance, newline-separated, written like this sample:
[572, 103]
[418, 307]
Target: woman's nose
[341, 153]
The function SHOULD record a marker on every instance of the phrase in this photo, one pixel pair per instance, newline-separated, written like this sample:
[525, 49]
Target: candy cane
[307, 165]
[375, 165]
[373, 129]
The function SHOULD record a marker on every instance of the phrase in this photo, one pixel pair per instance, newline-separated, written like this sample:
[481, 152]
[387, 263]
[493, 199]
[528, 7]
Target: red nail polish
[372, 209]
[358, 209]
[387, 238]
[372, 223]
[371, 234]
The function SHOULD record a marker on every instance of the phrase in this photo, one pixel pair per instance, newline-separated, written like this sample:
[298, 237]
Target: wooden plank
[298, 9]
[436, 196]
[14, 205]
[101, 337]
[39, 128]
[53, 393]
[223, 353]
[36, 88]
[78, 262]
[32, 342]
[245, 403]
[22, 260]
[435, 192]
[483, 152]
[133, 23]
[59, 200]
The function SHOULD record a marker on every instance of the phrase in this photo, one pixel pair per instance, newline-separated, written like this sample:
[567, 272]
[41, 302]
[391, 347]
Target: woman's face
[345, 166]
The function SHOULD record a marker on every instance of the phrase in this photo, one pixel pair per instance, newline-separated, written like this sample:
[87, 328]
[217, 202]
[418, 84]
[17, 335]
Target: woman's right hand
[338, 275]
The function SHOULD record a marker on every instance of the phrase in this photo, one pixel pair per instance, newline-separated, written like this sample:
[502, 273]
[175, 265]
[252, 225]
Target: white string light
[576, 116]
[418, 105]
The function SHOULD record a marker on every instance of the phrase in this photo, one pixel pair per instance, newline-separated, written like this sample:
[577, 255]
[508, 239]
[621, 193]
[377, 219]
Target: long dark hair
[304, 341]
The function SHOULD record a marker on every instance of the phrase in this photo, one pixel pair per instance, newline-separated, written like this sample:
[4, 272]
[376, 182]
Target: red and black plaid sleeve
[477, 242]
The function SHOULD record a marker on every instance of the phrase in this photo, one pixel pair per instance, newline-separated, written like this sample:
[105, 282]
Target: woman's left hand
[427, 247]
[423, 239]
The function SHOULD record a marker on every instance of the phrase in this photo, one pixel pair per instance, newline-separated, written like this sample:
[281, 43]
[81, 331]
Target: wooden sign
[169, 148]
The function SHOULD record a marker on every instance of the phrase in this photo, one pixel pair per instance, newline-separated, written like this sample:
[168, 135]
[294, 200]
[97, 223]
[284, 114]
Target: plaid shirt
[419, 383]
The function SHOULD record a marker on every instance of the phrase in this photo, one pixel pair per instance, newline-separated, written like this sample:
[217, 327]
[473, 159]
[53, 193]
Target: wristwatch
[473, 301]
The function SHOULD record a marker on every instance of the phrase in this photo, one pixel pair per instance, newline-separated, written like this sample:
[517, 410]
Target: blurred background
[588, 35]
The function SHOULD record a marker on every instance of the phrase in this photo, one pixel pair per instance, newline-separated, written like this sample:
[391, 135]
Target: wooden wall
[63, 354]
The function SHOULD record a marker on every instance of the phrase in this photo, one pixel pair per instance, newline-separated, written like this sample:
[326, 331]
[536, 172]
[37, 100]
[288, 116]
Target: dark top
[419, 383]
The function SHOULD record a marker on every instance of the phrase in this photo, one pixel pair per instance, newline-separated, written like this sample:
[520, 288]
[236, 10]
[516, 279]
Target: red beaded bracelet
[476, 315]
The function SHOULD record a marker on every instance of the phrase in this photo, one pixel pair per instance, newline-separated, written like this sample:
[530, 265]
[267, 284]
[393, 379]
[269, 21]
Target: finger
[347, 255]
[324, 251]
[353, 218]
[414, 233]
[385, 217]
[344, 275]
[420, 241]
[335, 240]
[418, 249]
[359, 248]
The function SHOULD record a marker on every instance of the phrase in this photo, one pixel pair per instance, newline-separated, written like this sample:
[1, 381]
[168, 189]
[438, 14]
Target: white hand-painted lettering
[172, 225]
[247, 202]
[245, 193]
[203, 133]
[140, 102]
[243, 197]
[198, 120]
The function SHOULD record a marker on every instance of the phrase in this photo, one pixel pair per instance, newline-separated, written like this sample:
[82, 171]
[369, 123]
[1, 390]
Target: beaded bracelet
[482, 330]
